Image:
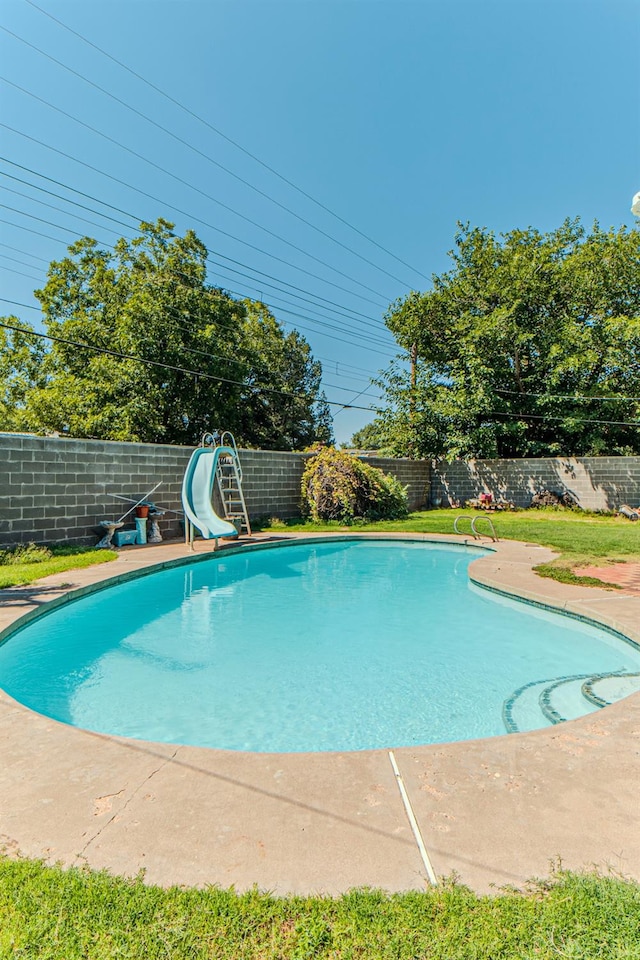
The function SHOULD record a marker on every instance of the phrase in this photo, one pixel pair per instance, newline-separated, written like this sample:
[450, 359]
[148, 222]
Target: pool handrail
[464, 516]
[494, 535]
[474, 531]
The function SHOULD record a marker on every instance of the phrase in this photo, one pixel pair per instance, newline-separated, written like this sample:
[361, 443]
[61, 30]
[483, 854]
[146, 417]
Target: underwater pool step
[563, 700]
[521, 711]
[603, 691]
[543, 703]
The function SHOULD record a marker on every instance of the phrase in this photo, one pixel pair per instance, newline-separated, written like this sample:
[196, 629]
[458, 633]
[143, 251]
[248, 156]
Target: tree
[284, 407]
[144, 349]
[528, 346]
[20, 366]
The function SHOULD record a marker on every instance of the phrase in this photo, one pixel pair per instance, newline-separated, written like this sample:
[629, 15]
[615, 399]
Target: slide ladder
[229, 479]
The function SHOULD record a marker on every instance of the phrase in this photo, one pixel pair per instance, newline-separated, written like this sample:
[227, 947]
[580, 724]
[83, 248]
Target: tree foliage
[337, 486]
[528, 346]
[165, 356]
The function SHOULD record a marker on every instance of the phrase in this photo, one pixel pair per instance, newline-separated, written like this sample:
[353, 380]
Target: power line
[191, 216]
[368, 337]
[19, 272]
[190, 186]
[224, 136]
[536, 416]
[222, 256]
[214, 356]
[259, 284]
[562, 396]
[157, 363]
[313, 318]
[336, 363]
[200, 153]
[25, 252]
[280, 309]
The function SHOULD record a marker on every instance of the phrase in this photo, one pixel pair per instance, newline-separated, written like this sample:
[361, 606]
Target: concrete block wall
[54, 489]
[597, 483]
[413, 474]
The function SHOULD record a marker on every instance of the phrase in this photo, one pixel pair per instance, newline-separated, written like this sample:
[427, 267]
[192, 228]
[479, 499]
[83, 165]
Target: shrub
[337, 486]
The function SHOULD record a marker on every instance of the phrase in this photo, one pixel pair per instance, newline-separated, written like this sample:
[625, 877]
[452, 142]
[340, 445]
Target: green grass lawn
[54, 914]
[41, 562]
[580, 538]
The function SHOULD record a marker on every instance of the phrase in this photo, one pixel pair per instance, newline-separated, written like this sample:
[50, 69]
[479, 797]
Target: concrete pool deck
[495, 812]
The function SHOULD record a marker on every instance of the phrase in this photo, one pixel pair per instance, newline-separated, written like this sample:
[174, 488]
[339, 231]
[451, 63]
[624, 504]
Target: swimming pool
[341, 645]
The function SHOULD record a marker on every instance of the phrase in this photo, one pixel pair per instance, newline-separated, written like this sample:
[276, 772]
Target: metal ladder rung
[229, 477]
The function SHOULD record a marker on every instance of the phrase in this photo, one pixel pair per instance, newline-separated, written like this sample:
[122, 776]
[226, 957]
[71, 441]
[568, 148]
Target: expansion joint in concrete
[411, 817]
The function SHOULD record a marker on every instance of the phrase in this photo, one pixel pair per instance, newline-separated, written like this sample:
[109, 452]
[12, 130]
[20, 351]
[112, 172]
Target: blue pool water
[330, 646]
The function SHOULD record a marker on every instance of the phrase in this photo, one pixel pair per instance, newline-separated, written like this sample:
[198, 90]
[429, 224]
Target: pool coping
[494, 811]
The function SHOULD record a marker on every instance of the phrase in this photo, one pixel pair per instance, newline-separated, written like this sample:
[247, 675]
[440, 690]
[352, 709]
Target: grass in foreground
[26, 564]
[580, 538]
[51, 913]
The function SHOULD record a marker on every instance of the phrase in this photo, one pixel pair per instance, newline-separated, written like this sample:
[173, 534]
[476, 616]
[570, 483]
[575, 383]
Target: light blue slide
[197, 493]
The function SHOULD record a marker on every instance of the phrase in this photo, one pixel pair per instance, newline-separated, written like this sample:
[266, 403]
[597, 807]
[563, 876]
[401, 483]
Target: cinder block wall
[54, 489]
[597, 483]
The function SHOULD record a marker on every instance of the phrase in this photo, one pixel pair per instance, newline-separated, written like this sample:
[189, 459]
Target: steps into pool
[543, 703]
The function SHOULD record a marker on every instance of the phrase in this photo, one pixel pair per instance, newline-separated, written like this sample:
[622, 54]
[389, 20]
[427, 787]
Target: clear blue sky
[401, 117]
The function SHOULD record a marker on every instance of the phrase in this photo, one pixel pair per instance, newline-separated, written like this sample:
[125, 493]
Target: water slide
[197, 493]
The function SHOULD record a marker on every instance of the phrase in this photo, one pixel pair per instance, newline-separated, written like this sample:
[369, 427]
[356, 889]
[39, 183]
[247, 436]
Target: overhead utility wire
[190, 186]
[562, 396]
[256, 388]
[312, 317]
[157, 363]
[259, 283]
[328, 360]
[22, 262]
[224, 136]
[25, 252]
[568, 416]
[185, 213]
[53, 206]
[20, 273]
[222, 256]
[214, 356]
[258, 287]
[280, 309]
[205, 156]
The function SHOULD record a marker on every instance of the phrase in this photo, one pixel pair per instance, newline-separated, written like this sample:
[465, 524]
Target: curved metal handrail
[464, 516]
[494, 535]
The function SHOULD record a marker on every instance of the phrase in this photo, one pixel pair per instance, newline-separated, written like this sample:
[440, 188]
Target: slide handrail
[227, 439]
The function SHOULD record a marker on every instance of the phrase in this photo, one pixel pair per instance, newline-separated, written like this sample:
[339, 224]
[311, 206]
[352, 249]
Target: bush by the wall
[337, 486]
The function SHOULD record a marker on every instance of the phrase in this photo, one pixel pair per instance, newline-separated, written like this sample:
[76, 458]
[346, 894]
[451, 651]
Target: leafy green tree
[367, 438]
[284, 407]
[20, 369]
[165, 357]
[528, 346]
